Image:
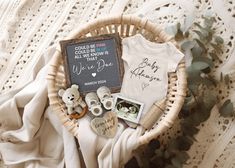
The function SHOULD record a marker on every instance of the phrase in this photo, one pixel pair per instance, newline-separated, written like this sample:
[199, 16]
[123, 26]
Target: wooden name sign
[93, 62]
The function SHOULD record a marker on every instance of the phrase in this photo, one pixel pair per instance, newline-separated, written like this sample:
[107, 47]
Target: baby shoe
[105, 97]
[93, 104]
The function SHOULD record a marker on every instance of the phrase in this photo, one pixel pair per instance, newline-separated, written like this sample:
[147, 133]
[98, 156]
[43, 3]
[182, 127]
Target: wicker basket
[125, 26]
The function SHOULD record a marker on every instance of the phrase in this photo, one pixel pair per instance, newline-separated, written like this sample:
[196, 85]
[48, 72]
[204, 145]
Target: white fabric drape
[31, 134]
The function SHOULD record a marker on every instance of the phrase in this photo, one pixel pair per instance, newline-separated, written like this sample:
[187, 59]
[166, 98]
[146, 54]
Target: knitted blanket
[30, 133]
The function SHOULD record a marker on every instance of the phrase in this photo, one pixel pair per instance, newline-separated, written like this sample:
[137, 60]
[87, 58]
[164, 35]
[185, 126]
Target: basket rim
[120, 19]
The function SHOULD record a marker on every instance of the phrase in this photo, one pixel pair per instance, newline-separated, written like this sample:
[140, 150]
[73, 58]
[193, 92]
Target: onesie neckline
[152, 46]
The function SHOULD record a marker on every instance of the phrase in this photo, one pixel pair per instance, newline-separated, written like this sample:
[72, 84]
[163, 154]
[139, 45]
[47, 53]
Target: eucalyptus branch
[173, 154]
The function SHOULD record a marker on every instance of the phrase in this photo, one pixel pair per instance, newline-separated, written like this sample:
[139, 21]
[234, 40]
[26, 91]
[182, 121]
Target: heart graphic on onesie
[93, 74]
[106, 126]
[144, 85]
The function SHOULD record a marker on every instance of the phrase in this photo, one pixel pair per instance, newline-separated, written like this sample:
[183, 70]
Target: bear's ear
[74, 86]
[61, 92]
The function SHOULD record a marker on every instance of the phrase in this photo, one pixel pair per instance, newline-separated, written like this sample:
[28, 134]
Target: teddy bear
[72, 99]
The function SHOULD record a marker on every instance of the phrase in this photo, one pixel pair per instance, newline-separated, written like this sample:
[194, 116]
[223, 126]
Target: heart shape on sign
[106, 126]
[93, 74]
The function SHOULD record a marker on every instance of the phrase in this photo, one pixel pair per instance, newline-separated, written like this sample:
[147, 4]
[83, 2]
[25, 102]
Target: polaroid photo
[128, 109]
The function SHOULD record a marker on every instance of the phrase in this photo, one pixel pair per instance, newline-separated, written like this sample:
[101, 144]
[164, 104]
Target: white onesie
[146, 67]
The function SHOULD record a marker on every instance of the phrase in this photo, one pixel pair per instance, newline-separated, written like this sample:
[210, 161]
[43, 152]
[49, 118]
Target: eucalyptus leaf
[201, 115]
[201, 45]
[157, 162]
[178, 26]
[200, 65]
[192, 72]
[189, 130]
[211, 31]
[145, 162]
[179, 35]
[182, 156]
[173, 146]
[188, 57]
[193, 85]
[194, 77]
[208, 14]
[206, 114]
[169, 166]
[188, 122]
[208, 21]
[204, 29]
[184, 113]
[226, 110]
[203, 108]
[188, 21]
[187, 45]
[200, 35]
[159, 153]
[192, 138]
[204, 59]
[207, 70]
[184, 143]
[171, 30]
[197, 51]
[176, 162]
[226, 79]
[189, 103]
[209, 82]
[219, 40]
[209, 37]
[216, 47]
[198, 25]
[206, 32]
[213, 80]
[166, 155]
[149, 152]
[221, 77]
[154, 144]
[186, 34]
[209, 99]
[214, 56]
[197, 118]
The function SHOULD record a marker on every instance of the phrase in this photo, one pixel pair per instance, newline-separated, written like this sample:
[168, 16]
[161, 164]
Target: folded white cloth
[32, 135]
[103, 152]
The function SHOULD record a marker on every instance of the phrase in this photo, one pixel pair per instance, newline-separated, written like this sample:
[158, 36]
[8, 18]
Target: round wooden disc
[77, 115]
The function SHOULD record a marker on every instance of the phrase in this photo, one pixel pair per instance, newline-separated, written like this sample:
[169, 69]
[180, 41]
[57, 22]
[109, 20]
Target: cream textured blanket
[30, 133]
